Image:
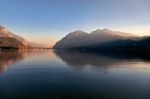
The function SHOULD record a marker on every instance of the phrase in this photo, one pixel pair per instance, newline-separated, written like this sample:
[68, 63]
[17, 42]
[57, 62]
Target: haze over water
[62, 74]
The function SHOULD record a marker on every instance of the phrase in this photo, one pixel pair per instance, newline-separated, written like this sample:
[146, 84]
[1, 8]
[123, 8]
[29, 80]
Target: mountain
[80, 39]
[8, 39]
[9, 42]
[136, 45]
[37, 45]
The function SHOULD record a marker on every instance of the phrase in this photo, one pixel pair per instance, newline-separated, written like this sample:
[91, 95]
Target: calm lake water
[52, 74]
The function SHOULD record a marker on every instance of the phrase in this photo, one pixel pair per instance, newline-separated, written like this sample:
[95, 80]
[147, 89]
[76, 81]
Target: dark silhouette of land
[126, 46]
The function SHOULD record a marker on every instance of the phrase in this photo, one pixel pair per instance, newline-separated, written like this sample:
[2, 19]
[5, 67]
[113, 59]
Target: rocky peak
[3, 29]
[76, 33]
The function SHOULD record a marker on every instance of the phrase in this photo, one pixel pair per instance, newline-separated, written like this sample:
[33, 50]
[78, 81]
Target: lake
[50, 74]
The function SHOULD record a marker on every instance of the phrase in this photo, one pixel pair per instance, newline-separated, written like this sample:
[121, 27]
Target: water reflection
[79, 60]
[8, 58]
[47, 74]
[75, 59]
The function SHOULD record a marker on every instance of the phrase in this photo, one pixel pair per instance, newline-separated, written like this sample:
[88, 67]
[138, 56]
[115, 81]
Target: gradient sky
[46, 21]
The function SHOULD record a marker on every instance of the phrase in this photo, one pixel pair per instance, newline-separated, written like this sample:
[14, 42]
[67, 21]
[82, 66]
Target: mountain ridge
[8, 39]
[81, 39]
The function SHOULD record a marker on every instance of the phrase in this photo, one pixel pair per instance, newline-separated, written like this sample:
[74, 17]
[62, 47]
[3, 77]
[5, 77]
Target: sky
[47, 21]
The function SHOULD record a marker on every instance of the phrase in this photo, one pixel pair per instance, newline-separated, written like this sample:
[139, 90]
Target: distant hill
[80, 39]
[37, 45]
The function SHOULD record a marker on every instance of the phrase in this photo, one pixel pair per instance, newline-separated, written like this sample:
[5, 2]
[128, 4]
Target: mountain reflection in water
[101, 60]
[76, 59]
[52, 74]
[8, 58]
